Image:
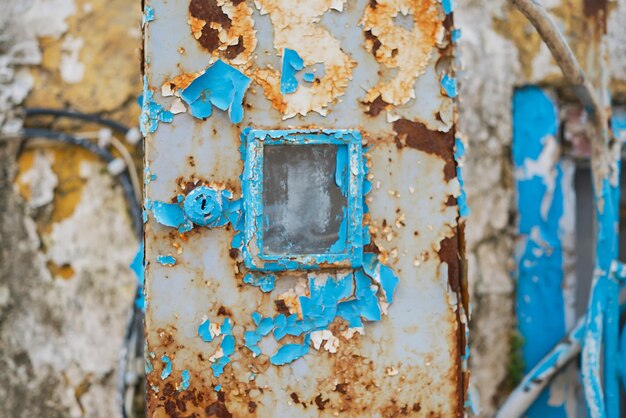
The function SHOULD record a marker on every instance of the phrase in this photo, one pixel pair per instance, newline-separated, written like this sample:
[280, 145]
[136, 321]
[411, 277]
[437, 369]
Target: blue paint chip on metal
[292, 63]
[218, 366]
[168, 214]
[456, 35]
[148, 14]
[167, 367]
[449, 86]
[184, 384]
[459, 154]
[308, 77]
[265, 282]
[151, 112]
[137, 266]
[204, 331]
[221, 86]
[448, 6]
[166, 260]
[289, 353]
[228, 345]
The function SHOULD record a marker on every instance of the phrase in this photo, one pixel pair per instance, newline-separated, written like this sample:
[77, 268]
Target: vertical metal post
[304, 209]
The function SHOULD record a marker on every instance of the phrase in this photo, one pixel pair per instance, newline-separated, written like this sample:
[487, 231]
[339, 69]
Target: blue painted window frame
[252, 182]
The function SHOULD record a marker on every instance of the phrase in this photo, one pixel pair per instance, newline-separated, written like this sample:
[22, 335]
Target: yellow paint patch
[111, 35]
[24, 163]
[66, 162]
[68, 193]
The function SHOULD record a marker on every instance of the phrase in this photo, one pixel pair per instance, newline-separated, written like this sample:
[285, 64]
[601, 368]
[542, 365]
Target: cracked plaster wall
[66, 239]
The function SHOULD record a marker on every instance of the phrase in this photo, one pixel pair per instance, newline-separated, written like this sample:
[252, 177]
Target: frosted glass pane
[302, 205]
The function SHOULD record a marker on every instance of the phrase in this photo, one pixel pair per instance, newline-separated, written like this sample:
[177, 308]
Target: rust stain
[296, 28]
[417, 135]
[393, 45]
[376, 106]
[179, 82]
[224, 28]
[449, 253]
[452, 252]
[595, 8]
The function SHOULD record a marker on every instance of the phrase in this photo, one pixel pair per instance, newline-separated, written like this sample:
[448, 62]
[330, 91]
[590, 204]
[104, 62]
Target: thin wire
[130, 164]
[41, 111]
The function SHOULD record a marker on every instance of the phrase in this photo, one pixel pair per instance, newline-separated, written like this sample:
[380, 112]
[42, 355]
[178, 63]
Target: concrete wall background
[65, 287]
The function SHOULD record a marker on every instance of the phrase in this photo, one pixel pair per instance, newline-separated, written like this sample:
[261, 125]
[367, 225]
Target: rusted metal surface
[382, 68]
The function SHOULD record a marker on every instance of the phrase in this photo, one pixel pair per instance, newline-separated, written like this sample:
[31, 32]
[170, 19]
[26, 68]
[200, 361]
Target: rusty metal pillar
[304, 209]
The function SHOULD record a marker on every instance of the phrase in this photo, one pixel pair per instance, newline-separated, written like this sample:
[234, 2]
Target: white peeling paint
[72, 70]
[40, 179]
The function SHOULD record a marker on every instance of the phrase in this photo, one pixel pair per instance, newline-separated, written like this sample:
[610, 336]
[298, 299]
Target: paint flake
[184, 384]
[449, 86]
[167, 367]
[221, 86]
[292, 63]
[264, 282]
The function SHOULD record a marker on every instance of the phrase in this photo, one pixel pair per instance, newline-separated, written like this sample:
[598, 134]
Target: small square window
[303, 199]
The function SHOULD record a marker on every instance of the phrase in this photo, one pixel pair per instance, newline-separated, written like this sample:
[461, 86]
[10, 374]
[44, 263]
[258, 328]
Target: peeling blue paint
[148, 176]
[221, 86]
[228, 348]
[168, 214]
[166, 260]
[148, 367]
[382, 274]
[184, 384]
[167, 367]
[264, 282]
[459, 156]
[449, 86]
[456, 35]
[138, 267]
[448, 6]
[151, 112]
[308, 77]
[352, 296]
[292, 63]
[204, 331]
[290, 352]
[218, 388]
[148, 14]
[540, 301]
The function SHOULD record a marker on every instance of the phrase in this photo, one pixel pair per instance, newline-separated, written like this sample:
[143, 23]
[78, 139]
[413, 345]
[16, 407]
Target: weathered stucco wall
[65, 286]
[66, 241]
